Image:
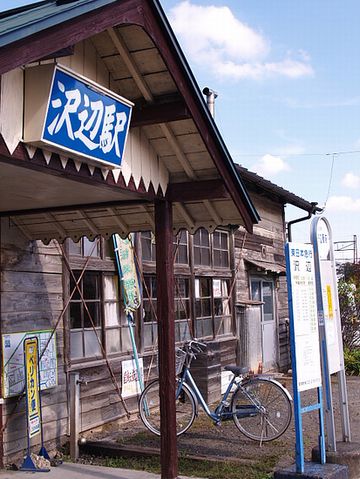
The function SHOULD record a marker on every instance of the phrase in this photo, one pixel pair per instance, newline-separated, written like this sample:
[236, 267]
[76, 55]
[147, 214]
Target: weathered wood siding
[265, 244]
[32, 299]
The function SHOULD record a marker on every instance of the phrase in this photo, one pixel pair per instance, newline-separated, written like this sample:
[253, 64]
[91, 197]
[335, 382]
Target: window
[211, 250]
[220, 249]
[262, 290]
[101, 299]
[212, 307]
[182, 310]
[181, 248]
[148, 246]
[202, 247]
[85, 247]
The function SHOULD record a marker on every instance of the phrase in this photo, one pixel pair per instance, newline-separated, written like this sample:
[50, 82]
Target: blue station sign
[86, 119]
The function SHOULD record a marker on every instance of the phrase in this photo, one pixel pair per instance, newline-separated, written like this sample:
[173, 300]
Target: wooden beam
[159, 113]
[130, 64]
[180, 155]
[197, 191]
[85, 206]
[166, 334]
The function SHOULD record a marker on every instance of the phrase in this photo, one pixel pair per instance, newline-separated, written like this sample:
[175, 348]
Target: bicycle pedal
[217, 423]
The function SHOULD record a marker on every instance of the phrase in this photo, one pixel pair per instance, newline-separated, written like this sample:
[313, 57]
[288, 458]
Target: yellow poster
[32, 385]
[330, 302]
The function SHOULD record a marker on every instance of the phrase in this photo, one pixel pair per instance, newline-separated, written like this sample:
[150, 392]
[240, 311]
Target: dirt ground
[226, 442]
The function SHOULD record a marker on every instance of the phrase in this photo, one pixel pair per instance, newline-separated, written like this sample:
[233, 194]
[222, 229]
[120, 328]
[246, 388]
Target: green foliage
[349, 301]
[352, 361]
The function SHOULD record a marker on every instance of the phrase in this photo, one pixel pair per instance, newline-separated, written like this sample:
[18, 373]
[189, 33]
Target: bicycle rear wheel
[261, 409]
[149, 408]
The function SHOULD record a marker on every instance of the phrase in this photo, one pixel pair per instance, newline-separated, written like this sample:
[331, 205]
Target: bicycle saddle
[236, 370]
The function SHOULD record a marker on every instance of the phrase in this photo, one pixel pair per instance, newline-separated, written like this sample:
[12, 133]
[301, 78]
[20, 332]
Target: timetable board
[13, 374]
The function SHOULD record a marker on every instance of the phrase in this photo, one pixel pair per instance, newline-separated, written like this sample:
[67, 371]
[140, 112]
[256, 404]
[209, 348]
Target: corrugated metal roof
[25, 21]
[251, 178]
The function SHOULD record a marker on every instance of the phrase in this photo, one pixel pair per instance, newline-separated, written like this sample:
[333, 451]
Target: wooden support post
[166, 334]
[74, 415]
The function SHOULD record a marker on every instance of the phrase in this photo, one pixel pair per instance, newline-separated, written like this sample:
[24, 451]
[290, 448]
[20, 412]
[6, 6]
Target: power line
[348, 152]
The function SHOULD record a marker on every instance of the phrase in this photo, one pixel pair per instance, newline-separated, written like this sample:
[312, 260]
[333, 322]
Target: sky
[287, 76]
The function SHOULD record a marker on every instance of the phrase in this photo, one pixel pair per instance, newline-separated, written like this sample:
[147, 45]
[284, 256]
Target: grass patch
[208, 469]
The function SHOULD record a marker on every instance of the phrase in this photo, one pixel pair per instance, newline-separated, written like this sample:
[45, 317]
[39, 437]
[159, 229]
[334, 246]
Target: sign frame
[328, 304]
[308, 279]
[96, 89]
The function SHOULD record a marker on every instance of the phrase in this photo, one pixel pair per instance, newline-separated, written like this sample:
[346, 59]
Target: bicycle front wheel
[261, 409]
[149, 408]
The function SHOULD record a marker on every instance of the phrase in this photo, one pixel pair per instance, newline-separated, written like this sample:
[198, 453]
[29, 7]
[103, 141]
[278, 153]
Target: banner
[32, 385]
[129, 278]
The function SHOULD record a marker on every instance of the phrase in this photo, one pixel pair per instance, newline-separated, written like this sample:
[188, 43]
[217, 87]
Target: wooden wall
[32, 299]
[265, 244]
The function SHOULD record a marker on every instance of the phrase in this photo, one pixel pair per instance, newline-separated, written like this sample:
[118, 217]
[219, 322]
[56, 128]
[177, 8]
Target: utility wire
[349, 152]
[330, 178]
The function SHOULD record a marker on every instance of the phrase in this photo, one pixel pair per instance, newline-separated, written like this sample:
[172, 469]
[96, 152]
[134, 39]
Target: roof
[267, 266]
[133, 40]
[252, 180]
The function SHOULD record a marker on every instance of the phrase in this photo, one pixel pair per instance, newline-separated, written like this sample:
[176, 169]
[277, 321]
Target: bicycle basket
[180, 356]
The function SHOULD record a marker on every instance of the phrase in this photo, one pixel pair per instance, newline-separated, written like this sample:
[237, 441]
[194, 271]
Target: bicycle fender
[271, 380]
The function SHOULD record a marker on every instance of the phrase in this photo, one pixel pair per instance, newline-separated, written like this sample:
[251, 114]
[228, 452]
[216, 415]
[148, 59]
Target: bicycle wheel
[149, 408]
[261, 409]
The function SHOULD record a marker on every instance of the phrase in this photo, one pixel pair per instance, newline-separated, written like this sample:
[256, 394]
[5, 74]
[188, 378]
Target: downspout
[299, 220]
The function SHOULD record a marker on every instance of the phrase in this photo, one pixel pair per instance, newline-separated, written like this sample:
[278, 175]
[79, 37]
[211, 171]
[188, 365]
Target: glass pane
[146, 246]
[217, 258]
[224, 259]
[205, 257]
[109, 249]
[197, 257]
[113, 344]
[74, 248]
[205, 287]
[205, 307]
[92, 346]
[224, 241]
[182, 256]
[76, 344]
[197, 238]
[208, 327]
[90, 286]
[198, 329]
[75, 316]
[268, 301]
[216, 239]
[90, 248]
[112, 314]
[148, 335]
[111, 287]
[255, 291]
[76, 294]
[205, 238]
[219, 326]
[198, 308]
[227, 325]
[218, 303]
[94, 311]
[153, 287]
[125, 340]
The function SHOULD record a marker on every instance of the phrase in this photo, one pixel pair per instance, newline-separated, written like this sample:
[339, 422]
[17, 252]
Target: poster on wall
[303, 314]
[32, 386]
[13, 373]
[130, 381]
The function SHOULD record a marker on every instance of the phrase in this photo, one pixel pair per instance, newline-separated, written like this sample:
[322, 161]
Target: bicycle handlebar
[193, 345]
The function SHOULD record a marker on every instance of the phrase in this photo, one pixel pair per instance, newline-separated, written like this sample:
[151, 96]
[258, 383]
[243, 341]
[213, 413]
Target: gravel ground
[226, 442]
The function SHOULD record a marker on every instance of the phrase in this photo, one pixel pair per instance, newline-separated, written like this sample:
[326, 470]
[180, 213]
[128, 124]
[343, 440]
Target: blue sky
[288, 78]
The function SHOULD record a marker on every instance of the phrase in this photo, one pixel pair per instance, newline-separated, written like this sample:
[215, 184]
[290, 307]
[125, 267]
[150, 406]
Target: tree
[349, 301]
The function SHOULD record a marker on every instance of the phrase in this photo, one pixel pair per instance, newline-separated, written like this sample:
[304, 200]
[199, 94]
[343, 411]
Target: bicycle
[260, 406]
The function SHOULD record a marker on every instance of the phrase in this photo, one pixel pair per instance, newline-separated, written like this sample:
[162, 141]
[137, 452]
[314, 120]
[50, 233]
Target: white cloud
[270, 166]
[351, 180]
[343, 203]
[213, 37]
